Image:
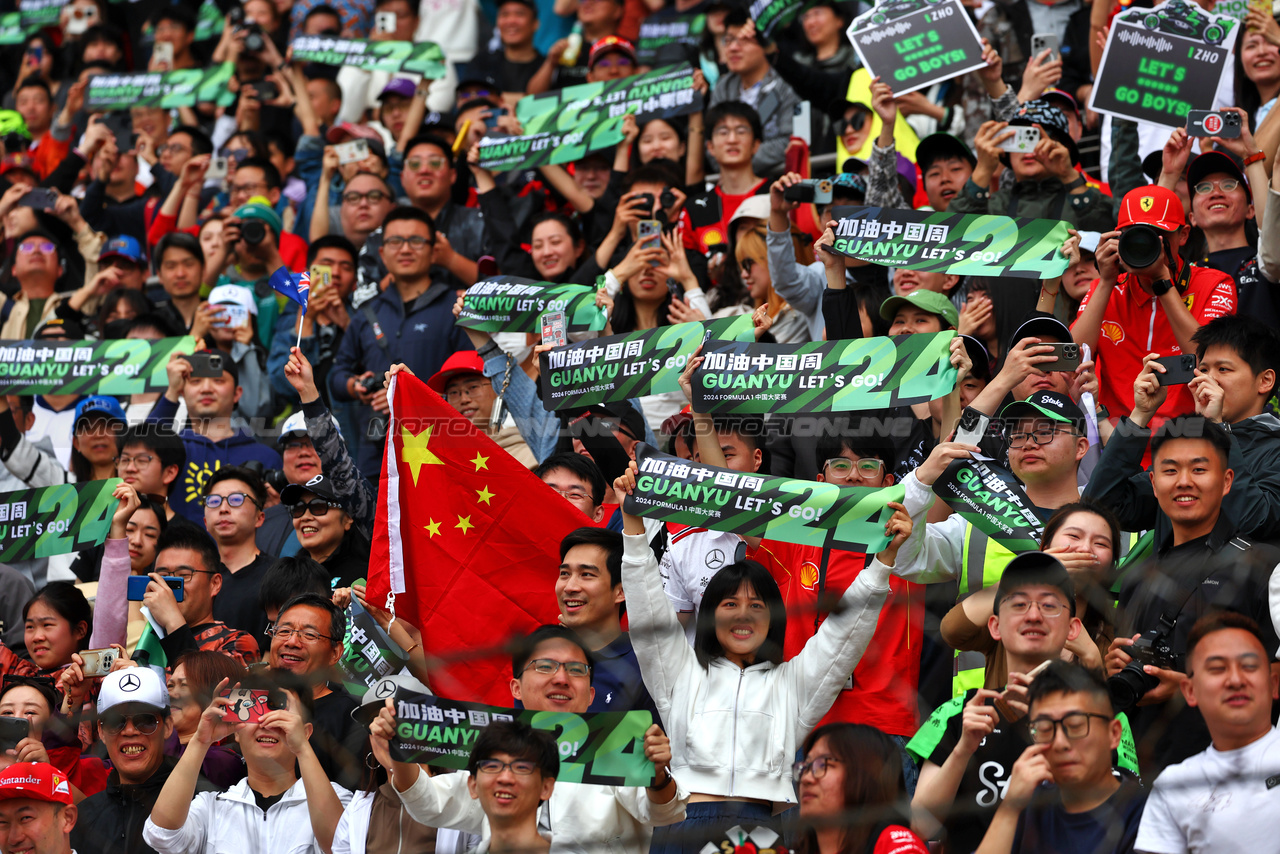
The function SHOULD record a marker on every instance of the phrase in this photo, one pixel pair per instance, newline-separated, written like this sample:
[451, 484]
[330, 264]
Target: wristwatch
[1160, 287]
[1076, 184]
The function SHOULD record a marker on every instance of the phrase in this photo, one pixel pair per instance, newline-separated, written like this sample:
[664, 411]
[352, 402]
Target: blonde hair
[753, 244]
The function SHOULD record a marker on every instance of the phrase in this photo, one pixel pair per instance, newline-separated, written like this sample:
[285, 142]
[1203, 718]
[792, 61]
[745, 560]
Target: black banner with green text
[989, 497]
[564, 126]
[620, 367]
[368, 655]
[513, 304]
[55, 520]
[954, 244]
[758, 505]
[425, 58]
[117, 367]
[824, 376]
[596, 748]
[912, 44]
[184, 87]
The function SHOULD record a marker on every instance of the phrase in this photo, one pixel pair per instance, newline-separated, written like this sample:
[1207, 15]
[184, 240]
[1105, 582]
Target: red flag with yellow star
[467, 538]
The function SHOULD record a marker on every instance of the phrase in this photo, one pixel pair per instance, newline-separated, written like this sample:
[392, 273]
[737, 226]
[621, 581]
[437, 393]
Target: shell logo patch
[808, 575]
[1113, 331]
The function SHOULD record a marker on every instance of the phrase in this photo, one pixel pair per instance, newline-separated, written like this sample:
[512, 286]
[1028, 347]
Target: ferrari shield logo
[1146, 203]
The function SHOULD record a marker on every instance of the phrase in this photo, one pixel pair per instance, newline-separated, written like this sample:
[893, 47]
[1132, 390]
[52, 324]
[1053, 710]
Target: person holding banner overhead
[551, 671]
[736, 711]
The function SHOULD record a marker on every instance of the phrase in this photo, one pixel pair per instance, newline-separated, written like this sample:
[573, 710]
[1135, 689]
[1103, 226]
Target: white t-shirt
[1216, 801]
[694, 555]
[57, 426]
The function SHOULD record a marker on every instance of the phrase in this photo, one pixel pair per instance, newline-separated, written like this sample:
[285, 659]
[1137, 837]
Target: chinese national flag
[467, 537]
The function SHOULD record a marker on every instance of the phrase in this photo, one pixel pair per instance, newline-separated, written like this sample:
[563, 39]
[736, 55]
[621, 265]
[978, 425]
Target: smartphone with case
[1023, 141]
[138, 587]
[233, 315]
[163, 52]
[98, 662]
[1068, 357]
[204, 364]
[1040, 42]
[217, 170]
[248, 705]
[1220, 123]
[554, 331]
[1178, 370]
[650, 231]
[353, 151]
[40, 199]
[12, 731]
[384, 22]
[321, 278]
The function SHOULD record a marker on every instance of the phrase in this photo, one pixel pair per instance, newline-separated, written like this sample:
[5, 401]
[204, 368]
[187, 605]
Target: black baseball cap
[1215, 161]
[1039, 324]
[979, 355]
[942, 146]
[1035, 568]
[319, 486]
[1045, 404]
[621, 413]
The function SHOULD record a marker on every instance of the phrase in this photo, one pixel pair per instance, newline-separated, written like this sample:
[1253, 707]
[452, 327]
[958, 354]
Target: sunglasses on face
[145, 723]
[317, 506]
[854, 123]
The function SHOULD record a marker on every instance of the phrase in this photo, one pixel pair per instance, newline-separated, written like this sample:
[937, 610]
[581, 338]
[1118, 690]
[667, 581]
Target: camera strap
[1166, 621]
[378, 335]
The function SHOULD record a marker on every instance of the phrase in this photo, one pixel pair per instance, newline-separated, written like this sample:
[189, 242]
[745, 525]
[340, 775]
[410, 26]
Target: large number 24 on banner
[55, 520]
[805, 512]
[954, 244]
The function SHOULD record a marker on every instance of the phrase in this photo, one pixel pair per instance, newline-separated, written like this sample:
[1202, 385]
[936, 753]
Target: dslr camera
[253, 231]
[253, 39]
[1131, 684]
[1140, 246]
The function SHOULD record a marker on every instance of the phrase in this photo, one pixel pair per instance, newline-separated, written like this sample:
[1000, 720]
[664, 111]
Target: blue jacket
[422, 335]
[204, 458]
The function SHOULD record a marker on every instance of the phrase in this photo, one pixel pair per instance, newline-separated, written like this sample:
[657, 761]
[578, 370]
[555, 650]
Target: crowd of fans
[1113, 691]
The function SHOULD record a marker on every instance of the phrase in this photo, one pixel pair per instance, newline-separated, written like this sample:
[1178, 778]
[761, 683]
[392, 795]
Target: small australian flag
[296, 286]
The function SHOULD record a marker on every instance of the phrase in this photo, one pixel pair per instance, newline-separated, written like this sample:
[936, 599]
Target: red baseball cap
[351, 130]
[1153, 205]
[607, 44]
[461, 362]
[36, 781]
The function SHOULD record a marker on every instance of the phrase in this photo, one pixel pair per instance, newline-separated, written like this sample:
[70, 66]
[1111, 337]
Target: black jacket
[111, 821]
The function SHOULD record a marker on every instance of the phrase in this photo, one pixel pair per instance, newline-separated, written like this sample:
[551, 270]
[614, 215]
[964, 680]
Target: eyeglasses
[844, 467]
[1018, 607]
[246, 188]
[416, 164]
[417, 241]
[469, 390]
[1043, 436]
[235, 499]
[286, 632]
[573, 494]
[44, 246]
[171, 148]
[1076, 725]
[139, 460]
[522, 767]
[730, 40]
[351, 197]
[298, 444]
[145, 723]
[818, 765]
[187, 574]
[1226, 185]
[317, 506]
[549, 667]
[726, 131]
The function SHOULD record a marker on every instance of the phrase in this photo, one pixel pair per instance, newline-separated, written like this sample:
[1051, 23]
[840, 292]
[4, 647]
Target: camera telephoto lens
[253, 232]
[1129, 686]
[1140, 246]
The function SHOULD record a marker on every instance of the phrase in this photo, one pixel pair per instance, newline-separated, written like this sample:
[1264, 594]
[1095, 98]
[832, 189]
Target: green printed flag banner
[988, 497]
[12, 30]
[950, 243]
[564, 126]
[912, 44]
[425, 58]
[117, 367]
[40, 13]
[513, 304]
[597, 748]
[772, 15]
[184, 87]
[1160, 63]
[55, 520]
[208, 21]
[830, 376]
[620, 367]
[657, 31]
[368, 653]
[805, 512]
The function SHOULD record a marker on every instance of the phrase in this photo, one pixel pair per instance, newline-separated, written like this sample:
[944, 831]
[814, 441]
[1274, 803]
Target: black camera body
[1132, 683]
[371, 384]
[253, 33]
[253, 231]
[1140, 246]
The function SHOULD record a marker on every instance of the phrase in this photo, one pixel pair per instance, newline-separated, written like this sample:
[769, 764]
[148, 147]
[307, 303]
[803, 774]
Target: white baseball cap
[140, 685]
[235, 294]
